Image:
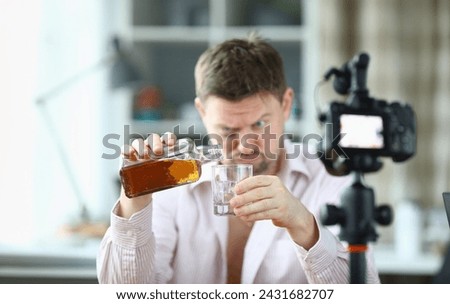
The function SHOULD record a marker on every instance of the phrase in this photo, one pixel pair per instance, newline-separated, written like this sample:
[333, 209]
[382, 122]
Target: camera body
[363, 129]
[386, 130]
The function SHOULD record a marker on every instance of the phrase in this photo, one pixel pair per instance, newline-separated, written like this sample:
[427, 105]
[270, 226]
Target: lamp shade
[123, 73]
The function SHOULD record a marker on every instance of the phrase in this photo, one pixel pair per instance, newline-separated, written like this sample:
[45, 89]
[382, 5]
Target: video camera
[363, 129]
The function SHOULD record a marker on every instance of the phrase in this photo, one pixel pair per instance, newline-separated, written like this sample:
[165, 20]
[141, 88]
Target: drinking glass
[225, 177]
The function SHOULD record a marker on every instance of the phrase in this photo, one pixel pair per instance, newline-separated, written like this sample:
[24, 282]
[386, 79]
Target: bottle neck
[209, 153]
[185, 149]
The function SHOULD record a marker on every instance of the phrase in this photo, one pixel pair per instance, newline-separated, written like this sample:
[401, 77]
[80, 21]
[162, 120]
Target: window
[48, 42]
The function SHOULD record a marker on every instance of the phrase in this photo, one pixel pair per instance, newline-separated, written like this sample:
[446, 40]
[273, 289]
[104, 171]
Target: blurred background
[78, 79]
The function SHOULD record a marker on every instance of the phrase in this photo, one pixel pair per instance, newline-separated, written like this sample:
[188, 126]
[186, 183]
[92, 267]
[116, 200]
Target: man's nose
[247, 143]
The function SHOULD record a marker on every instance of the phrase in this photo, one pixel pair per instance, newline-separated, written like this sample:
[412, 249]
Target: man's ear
[200, 107]
[286, 103]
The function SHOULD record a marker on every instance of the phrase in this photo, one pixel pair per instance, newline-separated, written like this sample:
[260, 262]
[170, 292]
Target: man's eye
[260, 124]
[232, 135]
[226, 130]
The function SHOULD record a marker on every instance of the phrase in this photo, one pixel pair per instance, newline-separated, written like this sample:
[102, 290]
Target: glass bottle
[179, 165]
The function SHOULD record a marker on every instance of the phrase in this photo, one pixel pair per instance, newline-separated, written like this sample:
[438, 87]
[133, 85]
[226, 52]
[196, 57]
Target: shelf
[206, 34]
[170, 34]
[279, 34]
[144, 127]
[171, 12]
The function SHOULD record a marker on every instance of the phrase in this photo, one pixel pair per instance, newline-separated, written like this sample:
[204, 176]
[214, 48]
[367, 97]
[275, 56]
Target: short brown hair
[238, 68]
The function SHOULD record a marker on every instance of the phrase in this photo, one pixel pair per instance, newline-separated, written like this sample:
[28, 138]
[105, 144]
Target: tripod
[356, 217]
[391, 131]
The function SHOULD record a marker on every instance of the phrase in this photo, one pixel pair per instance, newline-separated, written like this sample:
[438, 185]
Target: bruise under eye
[228, 131]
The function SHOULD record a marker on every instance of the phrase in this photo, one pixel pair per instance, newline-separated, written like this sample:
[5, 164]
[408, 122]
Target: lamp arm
[61, 87]
[61, 151]
[41, 102]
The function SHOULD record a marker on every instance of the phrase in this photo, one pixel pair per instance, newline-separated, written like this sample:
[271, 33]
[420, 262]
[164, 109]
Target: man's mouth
[247, 158]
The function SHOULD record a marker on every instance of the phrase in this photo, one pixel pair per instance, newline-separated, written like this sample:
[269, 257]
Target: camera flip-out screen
[361, 131]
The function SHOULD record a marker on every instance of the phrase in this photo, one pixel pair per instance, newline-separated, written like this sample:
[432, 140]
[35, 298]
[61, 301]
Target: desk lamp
[122, 74]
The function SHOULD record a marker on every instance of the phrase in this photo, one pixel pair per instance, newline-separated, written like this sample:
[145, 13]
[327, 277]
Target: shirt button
[130, 233]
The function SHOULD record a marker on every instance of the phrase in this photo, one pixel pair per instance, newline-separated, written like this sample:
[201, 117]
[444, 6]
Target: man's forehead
[260, 100]
[238, 122]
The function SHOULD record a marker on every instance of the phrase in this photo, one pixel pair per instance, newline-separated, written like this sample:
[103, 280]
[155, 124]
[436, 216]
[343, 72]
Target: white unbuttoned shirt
[178, 239]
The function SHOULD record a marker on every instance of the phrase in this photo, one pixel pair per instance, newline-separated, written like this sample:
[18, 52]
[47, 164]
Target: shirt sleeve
[127, 251]
[327, 262]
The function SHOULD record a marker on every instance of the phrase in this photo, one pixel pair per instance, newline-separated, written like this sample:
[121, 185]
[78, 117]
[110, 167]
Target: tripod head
[357, 214]
[357, 217]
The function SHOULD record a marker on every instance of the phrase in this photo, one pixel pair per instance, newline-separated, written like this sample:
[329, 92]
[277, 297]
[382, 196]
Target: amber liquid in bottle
[151, 176]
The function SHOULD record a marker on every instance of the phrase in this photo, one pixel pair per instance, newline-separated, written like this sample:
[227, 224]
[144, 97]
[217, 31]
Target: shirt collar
[297, 155]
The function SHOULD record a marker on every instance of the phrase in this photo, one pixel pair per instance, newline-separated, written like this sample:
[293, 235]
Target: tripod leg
[357, 264]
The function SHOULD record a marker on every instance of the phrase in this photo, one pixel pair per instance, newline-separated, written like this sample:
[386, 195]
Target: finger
[255, 207]
[253, 182]
[270, 214]
[139, 147]
[169, 138]
[129, 153]
[154, 142]
[251, 196]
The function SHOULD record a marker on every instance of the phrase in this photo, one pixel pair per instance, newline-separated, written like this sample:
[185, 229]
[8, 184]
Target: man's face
[250, 130]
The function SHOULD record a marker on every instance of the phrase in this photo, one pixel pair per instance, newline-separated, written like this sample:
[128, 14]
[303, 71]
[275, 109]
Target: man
[172, 236]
